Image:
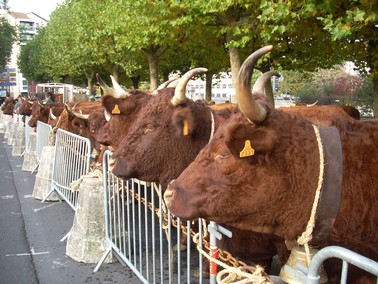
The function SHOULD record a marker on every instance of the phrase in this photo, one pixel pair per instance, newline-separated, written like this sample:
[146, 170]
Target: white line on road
[7, 196]
[32, 252]
[44, 207]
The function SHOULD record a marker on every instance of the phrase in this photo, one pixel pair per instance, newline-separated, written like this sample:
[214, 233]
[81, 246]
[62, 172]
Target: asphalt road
[30, 233]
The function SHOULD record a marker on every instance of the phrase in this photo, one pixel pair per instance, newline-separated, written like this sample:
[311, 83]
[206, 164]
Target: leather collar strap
[330, 197]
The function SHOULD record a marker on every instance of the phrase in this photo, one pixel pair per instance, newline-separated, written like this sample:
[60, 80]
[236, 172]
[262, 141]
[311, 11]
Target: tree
[350, 28]
[30, 59]
[8, 36]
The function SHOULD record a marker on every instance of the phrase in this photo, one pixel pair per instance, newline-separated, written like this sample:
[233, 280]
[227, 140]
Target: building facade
[27, 26]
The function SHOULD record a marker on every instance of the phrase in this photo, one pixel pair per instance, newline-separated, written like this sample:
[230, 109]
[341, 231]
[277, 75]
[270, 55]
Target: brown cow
[41, 112]
[167, 135]
[8, 106]
[270, 187]
[121, 110]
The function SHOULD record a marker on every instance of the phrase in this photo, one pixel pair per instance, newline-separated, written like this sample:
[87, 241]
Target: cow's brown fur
[156, 150]
[40, 112]
[114, 130]
[8, 106]
[272, 192]
[324, 114]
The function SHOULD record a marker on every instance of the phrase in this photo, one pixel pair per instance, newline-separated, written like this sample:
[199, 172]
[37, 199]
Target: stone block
[86, 240]
[30, 157]
[43, 178]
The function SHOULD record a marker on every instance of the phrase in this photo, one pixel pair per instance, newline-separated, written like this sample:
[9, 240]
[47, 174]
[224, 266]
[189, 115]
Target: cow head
[120, 110]
[26, 107]
[168, 133]
[40, 112]
[251, 167]
[8, 106]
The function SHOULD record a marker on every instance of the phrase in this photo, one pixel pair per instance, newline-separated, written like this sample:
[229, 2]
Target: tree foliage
[136, 39]
[8, 35]
[30, 60]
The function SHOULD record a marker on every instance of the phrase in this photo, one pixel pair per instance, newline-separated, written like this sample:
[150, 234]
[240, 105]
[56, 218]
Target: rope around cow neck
[306, 236]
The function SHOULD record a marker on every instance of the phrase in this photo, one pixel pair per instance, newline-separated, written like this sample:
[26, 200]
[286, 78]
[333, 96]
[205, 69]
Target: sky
[42, 8]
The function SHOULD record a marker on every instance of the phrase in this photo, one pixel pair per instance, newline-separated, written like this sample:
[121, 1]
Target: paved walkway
[30, 232]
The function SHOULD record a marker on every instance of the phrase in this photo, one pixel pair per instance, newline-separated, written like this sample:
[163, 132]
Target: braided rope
[306, 236]
[234, 274]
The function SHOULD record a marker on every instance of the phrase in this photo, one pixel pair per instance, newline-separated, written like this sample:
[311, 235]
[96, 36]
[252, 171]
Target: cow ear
[183, 121]
[78, 123]
[245, 140]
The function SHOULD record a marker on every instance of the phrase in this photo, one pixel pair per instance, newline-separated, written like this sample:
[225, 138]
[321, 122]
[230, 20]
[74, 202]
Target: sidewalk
[30, 247]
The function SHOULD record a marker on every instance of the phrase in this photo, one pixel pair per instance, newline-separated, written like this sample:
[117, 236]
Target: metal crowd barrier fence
[311, 275]
[72, 158]
[140, 234]
[43, 133]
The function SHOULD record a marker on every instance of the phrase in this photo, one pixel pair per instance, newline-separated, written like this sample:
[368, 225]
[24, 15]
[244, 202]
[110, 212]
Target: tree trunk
[235, 65]
[135, 80]
[375, 94]
[89, 75]
[209, 81]
[153, 67]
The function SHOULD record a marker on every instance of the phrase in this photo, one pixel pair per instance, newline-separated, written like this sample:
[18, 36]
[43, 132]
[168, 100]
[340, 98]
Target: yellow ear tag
[185, 129]
[247, 150]
[116, 110]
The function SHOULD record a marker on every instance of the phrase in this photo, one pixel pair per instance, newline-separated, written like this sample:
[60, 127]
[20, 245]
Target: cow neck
[212, 126]
[328, 192]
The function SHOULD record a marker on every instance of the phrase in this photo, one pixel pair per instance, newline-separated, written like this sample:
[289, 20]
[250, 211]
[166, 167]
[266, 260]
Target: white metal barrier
[72, 158]
[139, 233]
[43, 134]
[311, 275]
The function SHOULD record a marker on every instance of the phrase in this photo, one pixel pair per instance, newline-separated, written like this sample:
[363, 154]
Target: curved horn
[180, 96]
[52, 116]
[173, 84]
[107, 115]
[260, 83]
[254, 112]
[311, 105]
[119, 92]
[76, 113]
[106, 88]
[166, 84]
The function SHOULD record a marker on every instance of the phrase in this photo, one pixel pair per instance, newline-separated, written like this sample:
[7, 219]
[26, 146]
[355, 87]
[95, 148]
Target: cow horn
[166, 84]
[311, 105]
[107, 115]
[76, 113]
[52, 116]
[254, 112]
[103, 86]
[260, 83]
[180, 96]
[119, 92]
[173, 84]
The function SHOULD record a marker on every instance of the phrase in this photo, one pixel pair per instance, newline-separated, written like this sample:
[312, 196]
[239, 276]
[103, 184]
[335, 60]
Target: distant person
[48, 98]
[17, 105]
